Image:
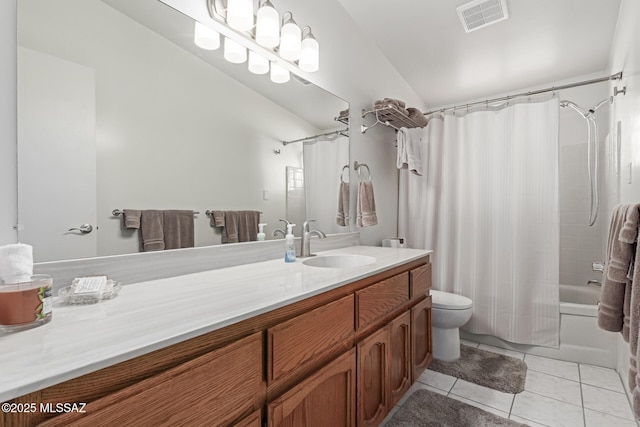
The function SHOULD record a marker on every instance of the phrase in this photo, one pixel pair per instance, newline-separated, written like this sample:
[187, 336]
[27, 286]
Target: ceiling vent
[480, 13]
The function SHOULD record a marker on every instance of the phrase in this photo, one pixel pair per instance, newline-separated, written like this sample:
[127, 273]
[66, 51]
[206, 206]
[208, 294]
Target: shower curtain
[323, 161]
[487, 204]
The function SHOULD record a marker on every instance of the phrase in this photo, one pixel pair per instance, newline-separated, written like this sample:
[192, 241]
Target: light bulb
[279, 74]
[309, 55]
[258, 64]
[290, 41]
[268, 26]
[206, 38]
[234, 52]
[240, 14]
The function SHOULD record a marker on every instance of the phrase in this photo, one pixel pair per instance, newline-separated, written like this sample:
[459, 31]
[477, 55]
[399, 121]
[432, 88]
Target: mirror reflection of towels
[237, 226]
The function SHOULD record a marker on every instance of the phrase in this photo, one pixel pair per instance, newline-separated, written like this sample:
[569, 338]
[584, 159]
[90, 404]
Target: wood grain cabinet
[399, 357]
[421, 342]
[373, 378]
[325, 399]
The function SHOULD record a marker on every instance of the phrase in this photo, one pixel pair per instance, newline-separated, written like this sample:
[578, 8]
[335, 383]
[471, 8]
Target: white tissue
[16, 263]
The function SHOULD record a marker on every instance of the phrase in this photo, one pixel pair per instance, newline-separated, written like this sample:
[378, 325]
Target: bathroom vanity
[269, 342]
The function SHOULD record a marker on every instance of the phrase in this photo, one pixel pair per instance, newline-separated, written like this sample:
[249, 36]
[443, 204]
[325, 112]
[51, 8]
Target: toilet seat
[449, 301]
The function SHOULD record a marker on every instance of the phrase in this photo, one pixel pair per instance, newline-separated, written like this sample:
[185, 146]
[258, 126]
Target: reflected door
[56, 156]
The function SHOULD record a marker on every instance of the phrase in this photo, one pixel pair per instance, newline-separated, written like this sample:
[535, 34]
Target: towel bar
[209, 212]
[118, 212]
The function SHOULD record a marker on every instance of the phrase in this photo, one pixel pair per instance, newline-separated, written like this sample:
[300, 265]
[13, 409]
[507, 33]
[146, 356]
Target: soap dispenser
[261, 234]
[290, 253]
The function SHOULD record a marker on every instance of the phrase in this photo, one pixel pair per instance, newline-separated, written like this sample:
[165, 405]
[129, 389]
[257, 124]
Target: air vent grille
[480, 13]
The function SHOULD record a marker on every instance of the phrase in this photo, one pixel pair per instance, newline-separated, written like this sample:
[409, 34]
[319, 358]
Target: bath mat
[425, 408]
[496, 371]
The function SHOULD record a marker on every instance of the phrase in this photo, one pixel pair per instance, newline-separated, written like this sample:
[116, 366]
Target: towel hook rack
[357, 167]
[342, 174]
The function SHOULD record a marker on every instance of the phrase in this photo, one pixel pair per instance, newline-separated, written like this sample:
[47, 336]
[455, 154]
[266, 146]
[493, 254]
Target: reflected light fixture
[234, 52]
[279, 74]
[290, 38]
[268, 25]
[240, 14]
[268, 45]
[258, 64]
[309, 52]
[206, 38]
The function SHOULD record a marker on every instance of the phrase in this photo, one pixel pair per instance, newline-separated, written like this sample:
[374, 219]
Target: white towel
[410, 142]
[16, 263]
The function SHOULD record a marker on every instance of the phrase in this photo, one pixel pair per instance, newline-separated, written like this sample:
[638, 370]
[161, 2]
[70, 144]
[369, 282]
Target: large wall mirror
[118, 109]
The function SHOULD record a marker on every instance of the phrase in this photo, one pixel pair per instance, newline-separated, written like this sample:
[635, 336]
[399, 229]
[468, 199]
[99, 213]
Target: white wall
[8, 174]
[625, 55]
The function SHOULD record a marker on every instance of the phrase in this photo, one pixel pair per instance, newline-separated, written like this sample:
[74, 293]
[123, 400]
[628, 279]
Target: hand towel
[342, 218]
[16, 263]
[178, 229]
[217, 218]
[151, 231]
[230, 230]
[410, 149]
[417, 116]
[366, 206]
[614, 286]
[131, 218]
[248, 226]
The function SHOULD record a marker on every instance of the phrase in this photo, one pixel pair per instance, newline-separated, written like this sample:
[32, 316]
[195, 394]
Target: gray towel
[342, 218]
[217, 218]
[151, 231]
[366, 206]
[239, 226]
[178, 229]
[417, 116]
[131, 218]
[614, 286]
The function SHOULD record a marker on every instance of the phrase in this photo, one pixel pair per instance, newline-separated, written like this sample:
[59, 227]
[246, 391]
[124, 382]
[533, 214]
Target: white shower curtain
[323, 162]
[487, 205]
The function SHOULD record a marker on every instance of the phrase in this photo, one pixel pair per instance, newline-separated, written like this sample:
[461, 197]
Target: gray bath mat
[425, 408]
[496, 371]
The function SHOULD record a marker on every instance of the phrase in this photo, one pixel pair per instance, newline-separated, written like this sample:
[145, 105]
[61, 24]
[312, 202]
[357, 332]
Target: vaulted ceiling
[542, 41]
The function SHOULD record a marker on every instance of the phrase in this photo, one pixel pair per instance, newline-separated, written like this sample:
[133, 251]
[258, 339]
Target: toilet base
[446, 343]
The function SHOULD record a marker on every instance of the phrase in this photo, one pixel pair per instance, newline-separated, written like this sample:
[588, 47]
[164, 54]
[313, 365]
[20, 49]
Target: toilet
[449, 312]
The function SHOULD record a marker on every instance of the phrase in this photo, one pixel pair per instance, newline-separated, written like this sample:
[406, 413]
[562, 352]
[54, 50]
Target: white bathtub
[581, 340]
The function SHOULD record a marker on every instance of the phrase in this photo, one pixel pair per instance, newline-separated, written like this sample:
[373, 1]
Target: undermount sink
[339, 261]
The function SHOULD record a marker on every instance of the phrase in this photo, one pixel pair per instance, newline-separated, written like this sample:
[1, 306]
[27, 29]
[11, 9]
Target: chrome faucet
[305, 241]
[280, 230]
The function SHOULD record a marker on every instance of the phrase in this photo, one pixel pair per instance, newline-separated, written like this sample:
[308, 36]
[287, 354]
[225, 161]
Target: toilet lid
[450, 301]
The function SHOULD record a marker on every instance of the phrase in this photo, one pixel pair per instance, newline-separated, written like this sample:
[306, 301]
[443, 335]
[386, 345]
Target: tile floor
[557, 393]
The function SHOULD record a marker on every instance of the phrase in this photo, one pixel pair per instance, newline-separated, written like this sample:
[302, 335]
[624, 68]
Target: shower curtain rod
[616, 76]
[335, 132]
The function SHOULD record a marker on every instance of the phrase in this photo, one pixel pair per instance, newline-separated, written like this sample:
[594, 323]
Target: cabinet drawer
[215, 389]
[373, 302]
[253, 420]
[420, 281]
[308, 337]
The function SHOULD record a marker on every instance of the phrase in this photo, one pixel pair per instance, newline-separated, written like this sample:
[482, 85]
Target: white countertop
[147, 316]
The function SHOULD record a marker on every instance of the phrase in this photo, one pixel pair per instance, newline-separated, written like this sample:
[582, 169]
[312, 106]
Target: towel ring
[357, 167]
[342, 174]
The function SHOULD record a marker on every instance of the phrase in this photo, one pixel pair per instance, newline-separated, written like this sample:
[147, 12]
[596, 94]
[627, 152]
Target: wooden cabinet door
[325, 399]
[422, 350]
[399, 357]
[373, 378]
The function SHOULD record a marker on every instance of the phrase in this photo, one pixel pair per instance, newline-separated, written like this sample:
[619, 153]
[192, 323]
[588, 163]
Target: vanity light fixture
[268, 25]
[279, 74]
[240, 14]
[234, 52]
[290, 38]
[270, 47]
[309, 52]
[206, 38]
[258, 64]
